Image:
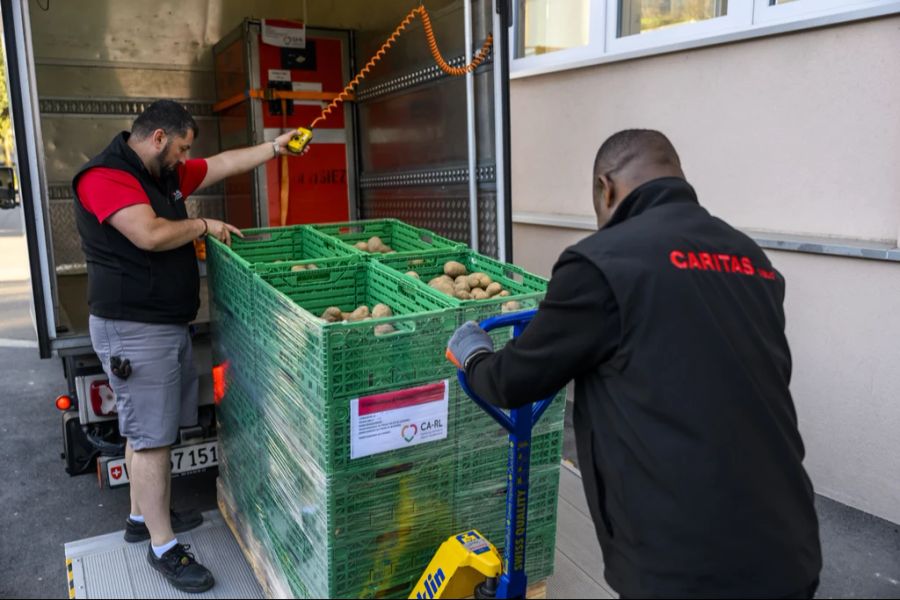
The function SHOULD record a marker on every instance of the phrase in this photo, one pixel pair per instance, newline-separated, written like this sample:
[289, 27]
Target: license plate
[183, 459]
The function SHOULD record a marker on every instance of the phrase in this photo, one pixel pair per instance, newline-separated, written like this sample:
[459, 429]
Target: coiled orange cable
[432, 45]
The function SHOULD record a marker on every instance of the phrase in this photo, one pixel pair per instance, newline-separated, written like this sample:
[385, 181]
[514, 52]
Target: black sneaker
[181, 522]
[181, 569]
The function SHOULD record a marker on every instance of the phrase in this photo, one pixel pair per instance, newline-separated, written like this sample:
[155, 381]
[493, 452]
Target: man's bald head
[627, 160]
[636, 149]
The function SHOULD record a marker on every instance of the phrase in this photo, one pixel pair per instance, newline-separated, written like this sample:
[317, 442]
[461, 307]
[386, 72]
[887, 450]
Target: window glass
[550, 25]
[638, 16]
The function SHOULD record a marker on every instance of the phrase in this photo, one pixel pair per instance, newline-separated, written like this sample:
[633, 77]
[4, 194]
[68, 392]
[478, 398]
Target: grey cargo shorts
[160, 395]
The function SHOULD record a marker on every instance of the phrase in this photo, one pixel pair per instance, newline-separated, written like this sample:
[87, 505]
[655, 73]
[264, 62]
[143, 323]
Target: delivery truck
[408, 141]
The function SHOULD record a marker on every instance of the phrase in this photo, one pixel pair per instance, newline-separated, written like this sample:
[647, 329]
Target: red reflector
[63, 403]
[219, 373]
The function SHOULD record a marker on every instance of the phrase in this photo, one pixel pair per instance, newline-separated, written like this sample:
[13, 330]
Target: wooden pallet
[271, 579]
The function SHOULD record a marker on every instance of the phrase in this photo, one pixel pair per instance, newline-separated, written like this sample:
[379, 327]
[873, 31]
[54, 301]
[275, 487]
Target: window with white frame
[639, 16]
[551, 25]
[559, 34]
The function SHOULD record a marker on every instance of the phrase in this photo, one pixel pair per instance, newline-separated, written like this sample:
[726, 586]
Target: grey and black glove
[468, 341]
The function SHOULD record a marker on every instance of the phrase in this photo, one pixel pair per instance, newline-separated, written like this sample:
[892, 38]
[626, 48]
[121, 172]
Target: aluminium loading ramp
[107, 566]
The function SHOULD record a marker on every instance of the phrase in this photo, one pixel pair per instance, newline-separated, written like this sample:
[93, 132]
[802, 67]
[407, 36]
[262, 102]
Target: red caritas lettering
[718, 262]
[677, 259]
[748, 266]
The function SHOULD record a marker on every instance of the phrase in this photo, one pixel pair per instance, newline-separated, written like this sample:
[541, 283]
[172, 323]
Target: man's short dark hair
[167, 115]
[622, 148]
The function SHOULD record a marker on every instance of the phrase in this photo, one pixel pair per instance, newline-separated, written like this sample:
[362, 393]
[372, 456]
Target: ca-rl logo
[432, 584]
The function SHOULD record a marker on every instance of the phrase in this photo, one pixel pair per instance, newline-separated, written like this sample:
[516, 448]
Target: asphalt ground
[41, 506]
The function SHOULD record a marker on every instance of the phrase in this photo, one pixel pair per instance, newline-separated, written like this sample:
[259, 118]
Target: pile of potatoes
[374, 245]
[333, 314]
[458, 283]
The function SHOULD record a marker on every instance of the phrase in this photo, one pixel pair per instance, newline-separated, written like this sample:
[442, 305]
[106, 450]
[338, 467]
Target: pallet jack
[468, 562]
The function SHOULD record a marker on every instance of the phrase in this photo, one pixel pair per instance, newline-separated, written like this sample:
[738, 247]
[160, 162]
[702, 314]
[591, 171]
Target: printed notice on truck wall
[398, 419]
[284, 34]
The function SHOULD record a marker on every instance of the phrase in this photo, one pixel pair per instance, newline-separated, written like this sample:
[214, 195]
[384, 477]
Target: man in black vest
[671, 323]
[143, 290]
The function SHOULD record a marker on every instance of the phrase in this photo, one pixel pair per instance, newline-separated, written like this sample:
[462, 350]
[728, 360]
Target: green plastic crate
[402, 238]
[486, 465]
[328, 360]
[298, 243]
[477, 506]
[473, 418]
[232, 283]
[525, 288]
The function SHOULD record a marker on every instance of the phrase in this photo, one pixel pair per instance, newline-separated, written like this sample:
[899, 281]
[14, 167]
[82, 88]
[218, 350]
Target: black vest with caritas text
[125, 282]
[688, 438]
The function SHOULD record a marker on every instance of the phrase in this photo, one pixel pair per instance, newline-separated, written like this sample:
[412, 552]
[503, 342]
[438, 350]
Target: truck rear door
[434, 149]
[30, 159]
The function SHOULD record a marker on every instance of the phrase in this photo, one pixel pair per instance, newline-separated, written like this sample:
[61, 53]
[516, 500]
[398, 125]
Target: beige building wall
[797, 134]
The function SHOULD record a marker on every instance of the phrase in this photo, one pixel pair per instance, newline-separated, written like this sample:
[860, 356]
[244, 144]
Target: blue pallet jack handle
[519, 422]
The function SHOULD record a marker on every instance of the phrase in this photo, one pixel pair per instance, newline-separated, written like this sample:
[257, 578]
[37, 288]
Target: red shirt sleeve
[104, 191]
[191, 174]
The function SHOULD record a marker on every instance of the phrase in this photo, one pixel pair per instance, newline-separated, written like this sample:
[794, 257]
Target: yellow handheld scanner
[300, 140]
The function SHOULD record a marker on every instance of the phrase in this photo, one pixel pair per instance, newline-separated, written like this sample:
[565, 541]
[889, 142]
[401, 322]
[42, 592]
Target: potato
[384, 329]
[503, 293]
[462, 283]
[361, 246]
[511, 306]
[382, 310]
[479, 294]
[455, 269]
[447, 280]
[359, 314]
[462, 295]
[311, 267]
[474, 280]
[376, 245]
[443, 284]
[443, 288]
[413, 274]
[344, 316]
[333, 314]
[493, 289]
[484, 280]
[298, 268]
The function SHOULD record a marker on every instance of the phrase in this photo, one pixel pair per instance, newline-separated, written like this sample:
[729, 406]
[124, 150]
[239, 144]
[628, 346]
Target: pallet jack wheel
[486, 590]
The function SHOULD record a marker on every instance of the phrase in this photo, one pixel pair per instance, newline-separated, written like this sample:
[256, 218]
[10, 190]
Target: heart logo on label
[409, 432]
[116, 472]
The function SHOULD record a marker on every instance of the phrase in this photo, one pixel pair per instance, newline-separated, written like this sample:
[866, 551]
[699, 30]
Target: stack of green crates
[337, 526]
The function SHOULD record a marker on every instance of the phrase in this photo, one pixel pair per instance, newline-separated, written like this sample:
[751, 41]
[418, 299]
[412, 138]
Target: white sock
[160, 550]
[136, 518]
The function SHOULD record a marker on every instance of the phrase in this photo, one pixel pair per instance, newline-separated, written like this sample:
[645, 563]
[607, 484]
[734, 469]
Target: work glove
[467, 342]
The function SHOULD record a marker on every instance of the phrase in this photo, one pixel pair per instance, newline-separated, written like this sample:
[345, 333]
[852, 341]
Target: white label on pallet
[398, 419]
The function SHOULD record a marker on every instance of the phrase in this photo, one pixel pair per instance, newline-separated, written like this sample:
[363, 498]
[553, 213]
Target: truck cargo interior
[373, 157]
